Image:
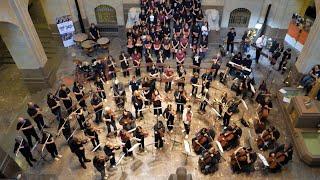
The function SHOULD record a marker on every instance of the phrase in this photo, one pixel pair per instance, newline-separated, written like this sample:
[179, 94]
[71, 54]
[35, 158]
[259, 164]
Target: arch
[239, 17]
[106, 14]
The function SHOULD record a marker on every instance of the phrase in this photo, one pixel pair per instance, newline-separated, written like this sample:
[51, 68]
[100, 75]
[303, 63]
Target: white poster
[66, 30]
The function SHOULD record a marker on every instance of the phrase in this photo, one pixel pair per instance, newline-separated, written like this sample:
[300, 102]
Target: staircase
[5, 56]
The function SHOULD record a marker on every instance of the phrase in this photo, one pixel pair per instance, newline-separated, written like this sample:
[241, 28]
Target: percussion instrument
[103, 42]
[245, 70]
[80, 37]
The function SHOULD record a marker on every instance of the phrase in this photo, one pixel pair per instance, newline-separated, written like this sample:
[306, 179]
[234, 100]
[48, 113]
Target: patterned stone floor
[160, 164]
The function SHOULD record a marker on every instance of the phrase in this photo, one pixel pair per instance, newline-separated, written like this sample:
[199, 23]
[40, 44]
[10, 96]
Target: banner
[66, 30]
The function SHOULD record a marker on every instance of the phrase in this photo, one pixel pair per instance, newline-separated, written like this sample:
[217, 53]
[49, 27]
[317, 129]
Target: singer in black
[23, 147]
[27, 129]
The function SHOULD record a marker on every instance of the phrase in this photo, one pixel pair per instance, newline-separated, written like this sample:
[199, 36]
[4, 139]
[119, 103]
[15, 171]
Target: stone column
[310, 55]
[26, 49]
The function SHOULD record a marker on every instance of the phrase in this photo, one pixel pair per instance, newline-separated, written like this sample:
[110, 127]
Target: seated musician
[208, 161]
[267, 138]
[159, 131]
[242, 160]
[247, 61]
[127, 121]
[279, 157]
[203, 140]
[237, 58]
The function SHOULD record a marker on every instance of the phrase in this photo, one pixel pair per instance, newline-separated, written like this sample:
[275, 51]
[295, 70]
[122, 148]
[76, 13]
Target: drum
[103, 42]
[79, 38]
[88, 45]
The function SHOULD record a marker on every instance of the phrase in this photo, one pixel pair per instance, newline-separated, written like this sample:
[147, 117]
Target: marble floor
[155, 164]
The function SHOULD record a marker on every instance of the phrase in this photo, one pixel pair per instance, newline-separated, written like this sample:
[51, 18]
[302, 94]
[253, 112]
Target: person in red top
[136, 58]
[184, 42]
[156, 46]
[180, 57]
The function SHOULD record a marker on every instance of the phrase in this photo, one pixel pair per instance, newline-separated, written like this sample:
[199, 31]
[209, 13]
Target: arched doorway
[106, 17]
[239, 17]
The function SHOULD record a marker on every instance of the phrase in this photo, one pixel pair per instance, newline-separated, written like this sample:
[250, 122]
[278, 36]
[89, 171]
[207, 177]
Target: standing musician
[181, 76]
[215, 67]
[99, 162]
[119, 94]
[76, 146]
[80, 118]
[223, 102]
[156, 46]
[99, 83]
[124, 62]
[168, 76]
[159, 131]
[154, 75]
[156, 101]
[34, 112]
[206, 81]
[66, 130]
[23, 147]
[140, 134]
[204, 101]
[109, 118]
[134, 84]
[226, 118]
[136, 57]
[48, 142]
[110, 149]
[111, 67]
[180, 99]
[92, 134]
[267, 138]
[266, 106]
[208, 161]
[130, 46]
[126, 120]
[78, 92]
[168, 115]
[27, 129]
[196, 61]
[174, 45]
[279, 157]
[54, 104]
[137, 101]
[230, 137]
[187, 118]
[126, 143]
[195, 83]
[97, 105]
[65, 96]
[242, 160]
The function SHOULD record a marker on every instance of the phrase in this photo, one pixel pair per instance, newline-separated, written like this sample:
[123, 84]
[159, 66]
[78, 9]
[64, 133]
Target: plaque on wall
[106, 14]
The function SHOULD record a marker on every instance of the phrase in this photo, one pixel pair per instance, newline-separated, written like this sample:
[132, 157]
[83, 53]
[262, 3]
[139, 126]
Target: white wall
[254, 6]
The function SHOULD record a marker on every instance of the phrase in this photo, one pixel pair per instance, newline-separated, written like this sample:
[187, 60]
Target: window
[239, 18]
[106, 14]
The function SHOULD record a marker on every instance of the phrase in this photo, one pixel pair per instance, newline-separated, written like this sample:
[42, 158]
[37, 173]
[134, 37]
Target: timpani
[79, 38]
[88, 46]
[103, 42]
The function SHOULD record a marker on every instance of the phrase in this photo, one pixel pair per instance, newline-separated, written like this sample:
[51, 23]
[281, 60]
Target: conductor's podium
[303, 120]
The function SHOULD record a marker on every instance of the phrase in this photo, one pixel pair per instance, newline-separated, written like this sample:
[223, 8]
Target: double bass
[275, 162]
[229, 139]
[208, 161]
[268, 136]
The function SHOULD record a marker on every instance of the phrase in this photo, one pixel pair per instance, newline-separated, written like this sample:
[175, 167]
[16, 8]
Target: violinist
[208, 161]
[266, 106]
[126, 121]
[137, 101]
[259, 126]
[187, 118]
[159, 131]
[223, 102]
[111, 67]
[48, 141]
[126, 143]
[230, 137]
[65, 96]
[119, 94]
[160, 61]
[243, 159]
[140, 134]
[168, 76]
[136, 57]
[80, 118]
[66, 130]
[226, 118]
[280, 157]
[134, 84]
[181, 76]
[204, 101]
[99, 162]
[78, 92]
[21, 145]
[124, 62]
[27, 129]
[76, 146]
[267, 138]
[109, 118]
[92, 133]
[99, 83]
[154, 75]
[196, 61]
[110, 149]
[206, 81]
[97, 105]
[35, 113]
[215, 66]
[156, 101]
[168, 115]
[180, 99]
[194, 82]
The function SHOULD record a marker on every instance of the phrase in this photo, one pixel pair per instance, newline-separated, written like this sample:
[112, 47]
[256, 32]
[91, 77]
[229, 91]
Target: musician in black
[204, 102]
[23, 147]
[287, 149]
[208, 161]
[92, 133]
[111, 67]
[49, 143]
[80, 117]
[78, 92]
[54, 104]
[99, 162]
[196, 61]
[156, 101]
[159, 131]
[247, 61]
[230, 39]
[27, 129]
[124, 62]
[286, 55]
[76, 146]
[154, 75]
[34, 112]
[96, 102]
[126, 143]
[64, 95]
[94, 32]
[109, 149]
[66, 130]
[215, 67]
[119, 94]
[180, 99]
[206, 81]
[140, 134]
[110, 120]
[134, 84]
[127, 121]
[194, 82]
[99, 83]
[168, 115]
[226, 118]
[137, 102]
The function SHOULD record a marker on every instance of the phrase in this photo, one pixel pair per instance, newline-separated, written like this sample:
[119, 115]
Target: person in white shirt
[187, 117]
[259, 44]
